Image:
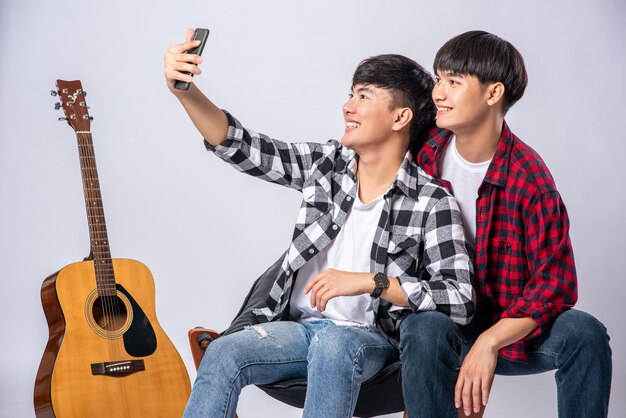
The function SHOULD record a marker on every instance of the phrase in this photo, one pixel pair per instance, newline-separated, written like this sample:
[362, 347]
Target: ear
[403, 117]
[495, 93]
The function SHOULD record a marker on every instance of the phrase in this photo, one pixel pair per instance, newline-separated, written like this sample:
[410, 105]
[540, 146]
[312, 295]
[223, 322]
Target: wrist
[381, 282]
[369, 284]
[490, 341]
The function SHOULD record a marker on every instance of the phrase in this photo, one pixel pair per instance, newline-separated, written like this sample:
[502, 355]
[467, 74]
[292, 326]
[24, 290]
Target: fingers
[486, 389]
[324, 295]
[463, 396]
[321, 293]
[177, 62]
[458, 390]
[189, 34]
[182, 48]
[332, 283]
[471, 394]
[313, 286]
[476, 396]
[322, 290]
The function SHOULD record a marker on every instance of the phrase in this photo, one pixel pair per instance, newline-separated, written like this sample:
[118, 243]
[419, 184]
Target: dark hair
[488, 58]
[409, 85]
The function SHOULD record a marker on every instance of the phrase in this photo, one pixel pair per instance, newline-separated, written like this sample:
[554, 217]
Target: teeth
[443, 108]
[352, 124]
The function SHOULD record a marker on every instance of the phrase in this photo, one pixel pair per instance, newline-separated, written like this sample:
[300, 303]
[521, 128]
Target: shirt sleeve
[445, 258]
[552, 287]
[287, 164]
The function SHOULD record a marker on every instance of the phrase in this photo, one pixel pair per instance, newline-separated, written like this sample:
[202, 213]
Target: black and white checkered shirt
[419, 238]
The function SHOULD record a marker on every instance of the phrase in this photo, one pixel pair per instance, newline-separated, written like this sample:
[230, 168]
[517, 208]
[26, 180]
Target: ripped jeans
[334, 359]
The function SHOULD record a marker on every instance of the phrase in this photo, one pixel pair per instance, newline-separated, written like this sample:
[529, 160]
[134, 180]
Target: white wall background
[284, 68]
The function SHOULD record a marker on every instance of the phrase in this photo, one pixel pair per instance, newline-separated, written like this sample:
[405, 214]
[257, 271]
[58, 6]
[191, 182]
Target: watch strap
[381, 282]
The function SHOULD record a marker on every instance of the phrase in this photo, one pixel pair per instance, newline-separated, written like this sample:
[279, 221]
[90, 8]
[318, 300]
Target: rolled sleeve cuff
[543, 314]
[231, 143]
[419, 298]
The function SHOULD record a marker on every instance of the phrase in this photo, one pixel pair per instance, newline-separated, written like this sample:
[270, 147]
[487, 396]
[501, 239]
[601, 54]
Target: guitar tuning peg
[53, 93]
[62, 119]
[57, 105]
[84, 93]
[90, 117]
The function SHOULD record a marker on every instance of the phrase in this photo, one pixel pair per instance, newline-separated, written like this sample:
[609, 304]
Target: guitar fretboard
[100, 249]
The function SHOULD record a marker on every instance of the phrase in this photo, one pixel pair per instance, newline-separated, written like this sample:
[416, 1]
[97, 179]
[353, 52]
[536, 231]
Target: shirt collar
[406, 179]
[498, 170]
[352, 165]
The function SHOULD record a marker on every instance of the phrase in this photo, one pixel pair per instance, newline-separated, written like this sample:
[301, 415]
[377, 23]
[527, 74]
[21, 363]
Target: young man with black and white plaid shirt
[375, 238]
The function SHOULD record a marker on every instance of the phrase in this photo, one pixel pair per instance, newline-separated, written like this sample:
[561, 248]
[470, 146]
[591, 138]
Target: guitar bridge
[118, 368]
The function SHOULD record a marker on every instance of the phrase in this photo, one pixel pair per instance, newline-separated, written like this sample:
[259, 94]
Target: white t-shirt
[466, 178]
[350, 251]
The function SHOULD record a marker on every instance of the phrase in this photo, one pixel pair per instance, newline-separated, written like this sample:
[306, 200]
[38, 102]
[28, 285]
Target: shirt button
[335, 227]
[349, 198]
[311, 251]
[288, 272]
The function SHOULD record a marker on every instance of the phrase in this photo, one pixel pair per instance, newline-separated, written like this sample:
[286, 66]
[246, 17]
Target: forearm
[394, 293]
[332, 283]
[209, 119]
[507, 331]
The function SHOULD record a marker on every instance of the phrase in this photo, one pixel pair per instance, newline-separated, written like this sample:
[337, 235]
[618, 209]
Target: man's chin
[440, 124]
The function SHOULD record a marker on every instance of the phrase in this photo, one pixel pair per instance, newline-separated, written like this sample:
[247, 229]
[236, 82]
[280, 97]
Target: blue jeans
[334, 359]
[433, 347]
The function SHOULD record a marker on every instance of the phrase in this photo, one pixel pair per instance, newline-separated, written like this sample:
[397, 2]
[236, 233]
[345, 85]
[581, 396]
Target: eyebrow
[364, 90]
[451, 73]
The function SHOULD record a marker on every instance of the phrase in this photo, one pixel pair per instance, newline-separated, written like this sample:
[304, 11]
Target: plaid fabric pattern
[419, 233]
[524, 261]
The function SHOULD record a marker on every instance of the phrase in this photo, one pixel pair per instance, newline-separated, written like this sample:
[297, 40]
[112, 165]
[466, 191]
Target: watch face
[381, 281]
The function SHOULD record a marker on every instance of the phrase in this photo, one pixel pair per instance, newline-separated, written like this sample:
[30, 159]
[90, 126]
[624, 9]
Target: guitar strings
[105, 280]
[99, 244]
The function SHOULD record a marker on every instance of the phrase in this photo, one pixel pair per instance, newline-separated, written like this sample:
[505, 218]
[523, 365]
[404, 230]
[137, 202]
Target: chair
[385, 385]
[380, 395]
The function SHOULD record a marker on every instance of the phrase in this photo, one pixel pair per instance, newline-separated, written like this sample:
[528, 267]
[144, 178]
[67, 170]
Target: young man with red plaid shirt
[517, 227]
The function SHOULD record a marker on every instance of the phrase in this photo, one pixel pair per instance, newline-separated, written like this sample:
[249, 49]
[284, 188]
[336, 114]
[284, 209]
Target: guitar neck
[99, 240]
[75, 107]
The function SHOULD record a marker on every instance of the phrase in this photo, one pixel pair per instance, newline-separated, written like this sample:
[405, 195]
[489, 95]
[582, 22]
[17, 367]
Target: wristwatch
[381, 282]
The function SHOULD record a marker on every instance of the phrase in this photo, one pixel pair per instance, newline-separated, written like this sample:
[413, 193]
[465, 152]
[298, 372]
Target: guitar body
[118, 364]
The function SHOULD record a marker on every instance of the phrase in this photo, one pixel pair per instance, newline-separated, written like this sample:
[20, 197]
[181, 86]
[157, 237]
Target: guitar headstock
[74, 105]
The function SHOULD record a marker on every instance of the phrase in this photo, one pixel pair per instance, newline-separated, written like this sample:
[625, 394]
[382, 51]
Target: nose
[439, 92]
[348, 107]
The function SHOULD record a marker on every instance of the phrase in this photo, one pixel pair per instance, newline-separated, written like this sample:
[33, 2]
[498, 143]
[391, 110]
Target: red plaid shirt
[524, 262]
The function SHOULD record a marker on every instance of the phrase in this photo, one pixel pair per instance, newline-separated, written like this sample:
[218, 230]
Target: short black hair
[489, 58]
[408, 84]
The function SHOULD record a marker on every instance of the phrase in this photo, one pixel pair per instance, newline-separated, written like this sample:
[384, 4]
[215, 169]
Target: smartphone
[202, 35]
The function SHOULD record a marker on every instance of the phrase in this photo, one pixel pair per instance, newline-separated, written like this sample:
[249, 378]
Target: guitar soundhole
[108, 316]
[109, 312]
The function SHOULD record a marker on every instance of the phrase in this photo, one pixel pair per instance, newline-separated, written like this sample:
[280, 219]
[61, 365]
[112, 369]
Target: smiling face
[463, 102]
[369, 117]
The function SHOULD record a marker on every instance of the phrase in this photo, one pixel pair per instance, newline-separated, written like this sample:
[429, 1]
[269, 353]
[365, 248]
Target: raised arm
[208, 118]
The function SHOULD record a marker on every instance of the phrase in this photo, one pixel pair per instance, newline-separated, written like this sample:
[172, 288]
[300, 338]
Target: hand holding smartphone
[202, 35]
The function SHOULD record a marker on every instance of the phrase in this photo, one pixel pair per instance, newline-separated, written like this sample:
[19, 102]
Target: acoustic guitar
[106, 355]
